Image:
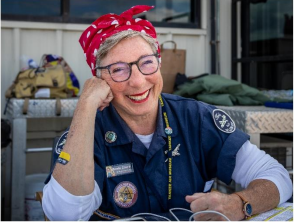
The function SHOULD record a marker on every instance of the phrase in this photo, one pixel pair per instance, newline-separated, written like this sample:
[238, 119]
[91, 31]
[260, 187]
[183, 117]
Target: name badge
[119, 169]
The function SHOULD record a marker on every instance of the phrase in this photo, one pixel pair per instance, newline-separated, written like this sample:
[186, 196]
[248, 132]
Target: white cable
[155, 215]
[208, 211]
[131, 219]
[170, 210]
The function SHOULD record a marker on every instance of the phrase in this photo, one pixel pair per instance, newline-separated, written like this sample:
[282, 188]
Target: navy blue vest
[205, 152]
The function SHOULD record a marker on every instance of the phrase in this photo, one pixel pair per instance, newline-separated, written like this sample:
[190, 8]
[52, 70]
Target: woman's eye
[147, 62]
[116, 70]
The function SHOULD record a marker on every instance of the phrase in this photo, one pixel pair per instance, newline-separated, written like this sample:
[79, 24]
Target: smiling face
[138, 96]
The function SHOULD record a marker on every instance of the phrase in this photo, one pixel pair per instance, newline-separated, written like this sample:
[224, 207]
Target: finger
[109, 97]
[107, 101]
[190, 198]
[200, 204]
[102, 106]
[205, 216]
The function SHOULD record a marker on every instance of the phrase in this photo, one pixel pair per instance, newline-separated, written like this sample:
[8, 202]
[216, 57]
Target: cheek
[117, 89]
[157, 79]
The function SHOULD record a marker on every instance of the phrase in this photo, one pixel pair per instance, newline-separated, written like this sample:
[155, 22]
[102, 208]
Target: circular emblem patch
[223, 121]
[110, 136]
[125, 194]
[61, 142]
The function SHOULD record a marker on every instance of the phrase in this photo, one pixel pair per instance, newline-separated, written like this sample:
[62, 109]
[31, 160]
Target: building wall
[35, 39]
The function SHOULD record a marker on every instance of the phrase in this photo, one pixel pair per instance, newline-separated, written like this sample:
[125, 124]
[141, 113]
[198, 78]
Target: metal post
[234, 40]
[19, 130]
[255, 139]
[7, 189]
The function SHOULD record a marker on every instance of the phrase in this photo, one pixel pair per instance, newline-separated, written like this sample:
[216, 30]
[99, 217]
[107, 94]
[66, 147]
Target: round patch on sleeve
[61, 142]
[223, 121]
[125, 194]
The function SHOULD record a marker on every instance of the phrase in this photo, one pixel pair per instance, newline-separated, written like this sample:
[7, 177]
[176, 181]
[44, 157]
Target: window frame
[249, 64]
[195, 17]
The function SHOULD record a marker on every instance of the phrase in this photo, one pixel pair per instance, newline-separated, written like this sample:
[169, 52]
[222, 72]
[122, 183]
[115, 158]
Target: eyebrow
[132, 61]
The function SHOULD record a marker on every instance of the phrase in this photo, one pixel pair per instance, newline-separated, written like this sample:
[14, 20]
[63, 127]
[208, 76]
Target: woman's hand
[97, 92]
[229, 205]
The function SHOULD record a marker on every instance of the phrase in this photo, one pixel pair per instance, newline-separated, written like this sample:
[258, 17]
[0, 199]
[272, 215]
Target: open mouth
[141, 97]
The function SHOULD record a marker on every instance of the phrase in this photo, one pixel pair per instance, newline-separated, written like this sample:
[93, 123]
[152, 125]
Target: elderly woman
[131, 149]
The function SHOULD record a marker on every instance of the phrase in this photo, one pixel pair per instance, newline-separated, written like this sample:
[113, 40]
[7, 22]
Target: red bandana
[109, 24]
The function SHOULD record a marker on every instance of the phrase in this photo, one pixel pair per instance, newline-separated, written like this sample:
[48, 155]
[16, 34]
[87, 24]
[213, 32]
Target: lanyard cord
[169, 154]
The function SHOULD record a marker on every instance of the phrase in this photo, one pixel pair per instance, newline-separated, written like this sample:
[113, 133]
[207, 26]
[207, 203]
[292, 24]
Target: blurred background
[250, 41]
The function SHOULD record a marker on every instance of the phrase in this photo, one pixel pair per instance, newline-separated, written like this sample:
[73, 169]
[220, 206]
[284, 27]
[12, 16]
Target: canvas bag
[53, 79]
[172, 62]
[30, 81]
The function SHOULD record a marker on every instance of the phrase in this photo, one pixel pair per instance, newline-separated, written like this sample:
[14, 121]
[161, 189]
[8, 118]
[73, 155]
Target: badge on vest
[119, 169]
[125, 194]
[223, 121]
[61, 142]
[110, 136]
[174, 152]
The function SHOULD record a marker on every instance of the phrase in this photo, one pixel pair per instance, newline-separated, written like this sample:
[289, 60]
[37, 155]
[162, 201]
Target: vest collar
[112, 121]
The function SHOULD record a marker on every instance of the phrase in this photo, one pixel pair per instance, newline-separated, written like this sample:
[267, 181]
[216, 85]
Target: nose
[136, 79]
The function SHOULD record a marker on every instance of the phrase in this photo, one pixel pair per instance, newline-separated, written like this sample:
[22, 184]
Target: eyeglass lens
[121, 71]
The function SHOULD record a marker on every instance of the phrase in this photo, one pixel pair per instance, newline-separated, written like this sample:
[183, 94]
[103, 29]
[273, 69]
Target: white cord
[170, 210]
[208, 211]
[155, 215]
[131, 219]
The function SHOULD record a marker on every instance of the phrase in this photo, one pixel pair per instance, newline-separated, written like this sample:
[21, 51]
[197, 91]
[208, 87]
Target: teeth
[138, 98]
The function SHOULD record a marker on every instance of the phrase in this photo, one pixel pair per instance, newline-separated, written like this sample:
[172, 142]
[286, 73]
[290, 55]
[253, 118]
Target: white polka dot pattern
[109, 24]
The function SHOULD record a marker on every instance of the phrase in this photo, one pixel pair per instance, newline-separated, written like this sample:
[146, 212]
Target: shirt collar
[111, 121]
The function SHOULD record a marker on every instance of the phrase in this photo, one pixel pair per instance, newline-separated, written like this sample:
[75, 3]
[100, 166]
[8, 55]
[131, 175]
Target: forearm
[262, 194]
[77, 176]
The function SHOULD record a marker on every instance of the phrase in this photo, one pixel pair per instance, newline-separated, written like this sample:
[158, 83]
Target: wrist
[247, 207]
[238, 207]
[88, 103]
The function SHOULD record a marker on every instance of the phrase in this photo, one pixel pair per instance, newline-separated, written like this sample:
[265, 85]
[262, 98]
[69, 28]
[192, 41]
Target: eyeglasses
[121, 71]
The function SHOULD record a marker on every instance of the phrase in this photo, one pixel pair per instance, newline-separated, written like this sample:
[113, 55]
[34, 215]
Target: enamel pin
[174, 152]
[110, 136]
[168, 130]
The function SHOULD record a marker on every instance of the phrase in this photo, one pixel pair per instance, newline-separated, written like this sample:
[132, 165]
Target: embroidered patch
[125, 194]
[61, 142]
[223, 121]
[119, 169]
